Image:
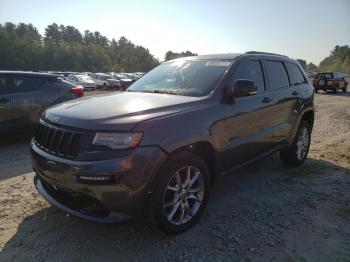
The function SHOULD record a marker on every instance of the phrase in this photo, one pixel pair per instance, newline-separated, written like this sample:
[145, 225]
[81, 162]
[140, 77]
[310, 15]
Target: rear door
[286, 97]
[248, 124]
[6, 114]
[29, 98]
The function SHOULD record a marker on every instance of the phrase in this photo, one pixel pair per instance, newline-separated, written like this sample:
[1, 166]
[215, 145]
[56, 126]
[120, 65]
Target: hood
[121, 111]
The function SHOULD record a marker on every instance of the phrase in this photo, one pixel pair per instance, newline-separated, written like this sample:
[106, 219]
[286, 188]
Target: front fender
[184, 138]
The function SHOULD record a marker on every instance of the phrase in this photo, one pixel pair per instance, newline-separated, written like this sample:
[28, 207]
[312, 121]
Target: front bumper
[57, 181]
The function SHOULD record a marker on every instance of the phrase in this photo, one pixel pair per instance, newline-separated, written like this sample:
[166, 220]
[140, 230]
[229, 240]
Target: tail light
[78, 90]
[314, 82]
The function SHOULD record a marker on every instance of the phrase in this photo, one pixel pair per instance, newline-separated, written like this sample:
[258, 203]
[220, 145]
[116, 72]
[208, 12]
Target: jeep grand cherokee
[157, 148]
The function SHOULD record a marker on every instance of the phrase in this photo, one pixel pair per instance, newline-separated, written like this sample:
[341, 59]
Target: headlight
[117, 140]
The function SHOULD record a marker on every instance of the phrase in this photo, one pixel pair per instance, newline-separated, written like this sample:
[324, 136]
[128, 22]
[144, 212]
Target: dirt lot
[264, 212]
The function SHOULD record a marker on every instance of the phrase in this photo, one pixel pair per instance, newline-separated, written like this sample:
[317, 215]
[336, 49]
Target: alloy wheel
[183, 195]
[302, 143]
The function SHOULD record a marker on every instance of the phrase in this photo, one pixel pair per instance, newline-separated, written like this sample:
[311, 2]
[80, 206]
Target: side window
[251, 70]
[295, 75]
[26, 83]
[5, 84]
[277, 75]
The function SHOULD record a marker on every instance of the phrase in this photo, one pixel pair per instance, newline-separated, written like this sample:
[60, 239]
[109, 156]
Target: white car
[82, 80]
[106, 81]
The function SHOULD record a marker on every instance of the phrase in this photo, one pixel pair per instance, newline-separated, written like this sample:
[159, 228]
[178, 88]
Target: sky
[307, 29]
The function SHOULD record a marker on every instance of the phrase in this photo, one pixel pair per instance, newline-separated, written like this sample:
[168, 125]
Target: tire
[344, 90]
[173, 208]
[292, 156]
[335, 90]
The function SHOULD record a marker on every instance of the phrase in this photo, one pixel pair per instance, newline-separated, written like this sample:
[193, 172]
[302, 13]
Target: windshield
[182, 77]
[324, 76]
[83, 78]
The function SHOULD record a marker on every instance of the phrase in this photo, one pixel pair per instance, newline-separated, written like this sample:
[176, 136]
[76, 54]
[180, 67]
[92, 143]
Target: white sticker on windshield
[218, 63]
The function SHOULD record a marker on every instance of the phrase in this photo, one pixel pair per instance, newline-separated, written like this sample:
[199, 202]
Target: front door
[249, 119]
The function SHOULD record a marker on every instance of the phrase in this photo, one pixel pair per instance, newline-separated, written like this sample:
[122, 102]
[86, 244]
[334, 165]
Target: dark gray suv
[157, 148]
[25, 95]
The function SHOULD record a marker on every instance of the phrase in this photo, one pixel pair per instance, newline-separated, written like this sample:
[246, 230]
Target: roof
[232, 56]
[28, 73]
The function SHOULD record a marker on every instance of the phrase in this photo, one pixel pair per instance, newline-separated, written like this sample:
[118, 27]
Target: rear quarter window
[295, 75]
[277, 75]
[27, 83]
[4, 87]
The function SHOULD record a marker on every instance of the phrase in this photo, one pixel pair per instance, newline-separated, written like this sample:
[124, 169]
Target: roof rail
[263, 53]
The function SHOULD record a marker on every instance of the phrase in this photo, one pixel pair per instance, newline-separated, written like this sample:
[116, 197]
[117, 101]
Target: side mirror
[244, 87]
[241, 87]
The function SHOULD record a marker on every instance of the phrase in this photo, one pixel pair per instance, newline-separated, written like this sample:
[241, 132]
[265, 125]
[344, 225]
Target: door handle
[266, 100]
[4, 100]
[295, 93]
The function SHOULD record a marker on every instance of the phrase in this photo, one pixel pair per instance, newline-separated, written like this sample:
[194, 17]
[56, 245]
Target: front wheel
[296, 154]
[180, 194]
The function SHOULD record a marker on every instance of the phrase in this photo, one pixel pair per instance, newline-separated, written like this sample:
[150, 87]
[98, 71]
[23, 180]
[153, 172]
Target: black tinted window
[295, 76]
[251, 70]
[26, 83]
[277, 75]
[5, 84]
[324, 76]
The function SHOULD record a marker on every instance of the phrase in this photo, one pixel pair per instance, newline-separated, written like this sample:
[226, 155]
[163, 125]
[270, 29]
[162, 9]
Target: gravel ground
[264, 212]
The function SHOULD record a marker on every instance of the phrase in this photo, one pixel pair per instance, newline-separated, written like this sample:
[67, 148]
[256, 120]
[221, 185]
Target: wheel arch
[308, 115]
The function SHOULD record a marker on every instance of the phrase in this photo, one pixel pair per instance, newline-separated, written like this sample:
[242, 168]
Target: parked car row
[92, 81]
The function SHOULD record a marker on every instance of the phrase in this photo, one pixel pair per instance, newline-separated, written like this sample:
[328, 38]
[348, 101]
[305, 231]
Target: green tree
[171, 55]
[338, 60]
[302, 62]
[65, 48]
[311, 67]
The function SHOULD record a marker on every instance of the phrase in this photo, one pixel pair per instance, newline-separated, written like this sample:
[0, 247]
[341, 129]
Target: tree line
[338, 60]
[66, 48]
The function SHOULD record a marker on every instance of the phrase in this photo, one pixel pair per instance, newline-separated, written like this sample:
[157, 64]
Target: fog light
[95, 179]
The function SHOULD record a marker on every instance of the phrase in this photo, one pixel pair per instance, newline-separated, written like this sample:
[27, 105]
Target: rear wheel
[296, 154]
[180, 194]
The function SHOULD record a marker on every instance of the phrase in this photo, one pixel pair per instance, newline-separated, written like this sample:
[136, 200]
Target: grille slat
[57, 141]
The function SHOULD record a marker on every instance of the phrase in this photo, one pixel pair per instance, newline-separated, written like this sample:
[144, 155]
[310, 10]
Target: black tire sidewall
[174, 163]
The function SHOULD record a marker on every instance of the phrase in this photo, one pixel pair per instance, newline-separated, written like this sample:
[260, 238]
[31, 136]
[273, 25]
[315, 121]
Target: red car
[330, 81]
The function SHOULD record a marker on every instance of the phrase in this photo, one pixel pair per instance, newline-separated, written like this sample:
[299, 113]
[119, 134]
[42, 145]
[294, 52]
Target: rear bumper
[326, 87]
[57, 180]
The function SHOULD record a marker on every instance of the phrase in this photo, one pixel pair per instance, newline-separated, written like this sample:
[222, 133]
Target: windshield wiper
[155, 91]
